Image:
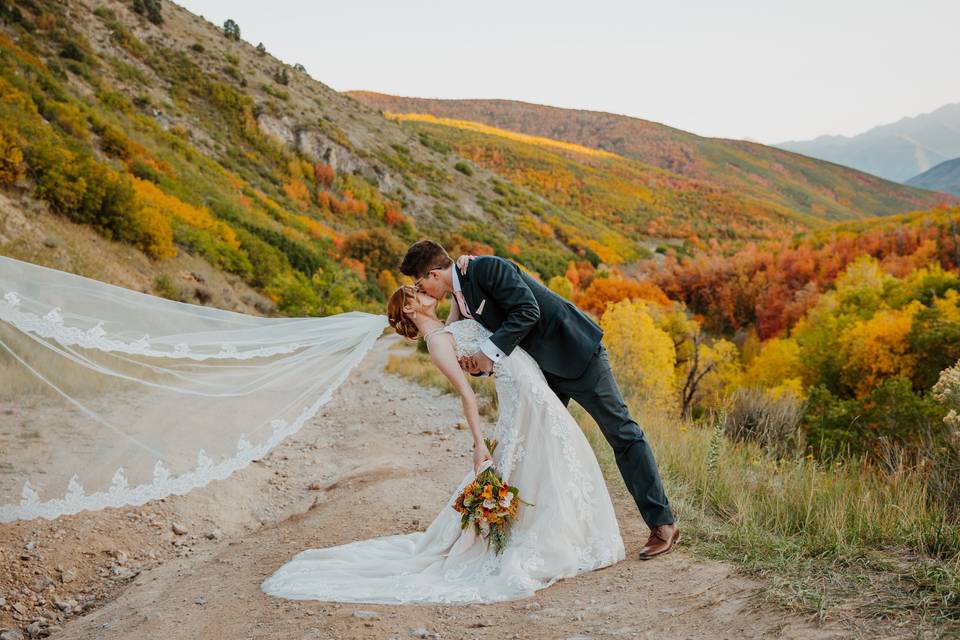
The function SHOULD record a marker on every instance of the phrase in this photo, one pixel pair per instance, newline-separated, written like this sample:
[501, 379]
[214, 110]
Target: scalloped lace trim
[51, 325]
[120, 494]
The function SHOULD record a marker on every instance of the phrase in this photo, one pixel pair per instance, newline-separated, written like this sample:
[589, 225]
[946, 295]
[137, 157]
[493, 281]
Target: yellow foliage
[151, 197]
[11, 156]
[725, 376]
[319, 230]
[156, 235]
[503, 133]
[561, 286]
[387, 283]
[949, 305]
[641, 355]
[777, 367]
[875, 349]
[605, 253]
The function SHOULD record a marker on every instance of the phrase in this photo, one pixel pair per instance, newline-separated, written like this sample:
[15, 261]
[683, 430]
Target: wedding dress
[571, 527]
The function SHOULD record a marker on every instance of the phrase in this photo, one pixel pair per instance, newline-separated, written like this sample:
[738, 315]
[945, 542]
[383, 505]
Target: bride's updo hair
[400, 322]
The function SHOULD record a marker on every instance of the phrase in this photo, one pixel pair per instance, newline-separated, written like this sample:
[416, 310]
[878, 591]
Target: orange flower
[488, 492]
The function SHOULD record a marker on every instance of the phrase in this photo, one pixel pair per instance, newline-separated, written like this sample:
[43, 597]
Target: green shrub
[72, 51]
[464, 168]
[231, 29]
[150, 9]
[165, 287]
[891, 414]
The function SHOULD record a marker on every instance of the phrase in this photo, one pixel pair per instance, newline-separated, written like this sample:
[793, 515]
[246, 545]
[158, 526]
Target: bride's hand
[480, 454]
[463, 261]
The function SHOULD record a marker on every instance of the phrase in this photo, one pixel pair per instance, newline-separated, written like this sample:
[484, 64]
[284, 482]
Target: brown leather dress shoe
[662, 540]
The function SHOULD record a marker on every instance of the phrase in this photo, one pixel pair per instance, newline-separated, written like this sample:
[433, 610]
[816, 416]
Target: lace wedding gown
[571, 527]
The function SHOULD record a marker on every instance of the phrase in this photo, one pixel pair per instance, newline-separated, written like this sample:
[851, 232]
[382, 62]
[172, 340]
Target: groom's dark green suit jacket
[521, 311]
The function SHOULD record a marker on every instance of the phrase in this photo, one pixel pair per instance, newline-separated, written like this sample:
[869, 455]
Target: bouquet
[489, 504]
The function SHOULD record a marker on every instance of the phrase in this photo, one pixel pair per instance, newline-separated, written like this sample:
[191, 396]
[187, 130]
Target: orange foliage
[319, 230]
[298, 192]
[348, 204]
[357, 267]
[324, 174]
[393, 215]
[773, 285]
[603, 291]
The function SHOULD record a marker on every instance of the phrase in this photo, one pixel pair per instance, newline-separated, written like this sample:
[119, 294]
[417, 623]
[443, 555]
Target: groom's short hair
[424, 256]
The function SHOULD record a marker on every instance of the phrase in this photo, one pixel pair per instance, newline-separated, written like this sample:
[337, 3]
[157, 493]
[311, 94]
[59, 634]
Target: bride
[570, 527]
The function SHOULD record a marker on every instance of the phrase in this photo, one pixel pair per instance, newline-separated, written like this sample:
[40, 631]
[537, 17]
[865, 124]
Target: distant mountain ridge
[780, 178]
[896, 151]
[943, 177]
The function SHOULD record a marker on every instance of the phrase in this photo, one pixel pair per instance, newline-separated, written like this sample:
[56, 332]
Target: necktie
[462, 304]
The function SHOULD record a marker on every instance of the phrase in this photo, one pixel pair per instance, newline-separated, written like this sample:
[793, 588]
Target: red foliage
[774, 286]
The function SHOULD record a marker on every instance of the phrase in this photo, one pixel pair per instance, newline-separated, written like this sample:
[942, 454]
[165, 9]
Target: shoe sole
[663, 553]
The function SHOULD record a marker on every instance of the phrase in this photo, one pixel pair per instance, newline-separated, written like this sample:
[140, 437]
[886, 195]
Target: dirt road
[331, 484]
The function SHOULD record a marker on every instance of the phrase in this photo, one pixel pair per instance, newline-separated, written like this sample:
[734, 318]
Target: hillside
[755, 171]
[233, 177]
[895, 151]
[944, 177]
[636, 199]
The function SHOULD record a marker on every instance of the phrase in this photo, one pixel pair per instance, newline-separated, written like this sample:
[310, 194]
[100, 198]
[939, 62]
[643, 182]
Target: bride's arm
[444, 355]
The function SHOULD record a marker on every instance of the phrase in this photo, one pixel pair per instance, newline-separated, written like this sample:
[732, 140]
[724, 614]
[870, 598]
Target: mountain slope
[777, 177]
[943, 177]
[164, 134]
[895, 151]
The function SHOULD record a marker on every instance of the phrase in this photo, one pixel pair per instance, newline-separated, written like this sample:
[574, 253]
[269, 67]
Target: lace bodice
[468, 334]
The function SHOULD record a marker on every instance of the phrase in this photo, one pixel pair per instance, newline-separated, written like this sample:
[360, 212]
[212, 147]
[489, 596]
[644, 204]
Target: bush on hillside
[231, 29]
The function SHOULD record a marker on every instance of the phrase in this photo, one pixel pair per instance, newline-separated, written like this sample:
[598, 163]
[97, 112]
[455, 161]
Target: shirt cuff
[491, 350]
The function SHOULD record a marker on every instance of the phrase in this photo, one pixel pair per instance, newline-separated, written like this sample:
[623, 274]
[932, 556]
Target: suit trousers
[597, 392]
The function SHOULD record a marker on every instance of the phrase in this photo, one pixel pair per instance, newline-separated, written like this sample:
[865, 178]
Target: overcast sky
[769, 70]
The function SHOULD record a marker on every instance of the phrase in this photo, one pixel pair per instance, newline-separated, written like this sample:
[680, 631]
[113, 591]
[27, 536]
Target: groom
[566, 344]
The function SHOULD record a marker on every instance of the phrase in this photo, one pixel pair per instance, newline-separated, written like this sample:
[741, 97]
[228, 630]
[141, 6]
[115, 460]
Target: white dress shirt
[489, 349]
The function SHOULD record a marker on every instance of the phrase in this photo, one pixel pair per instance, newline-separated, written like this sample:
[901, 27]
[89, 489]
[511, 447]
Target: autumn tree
[641, 354]
[603, 291]
[377, 248]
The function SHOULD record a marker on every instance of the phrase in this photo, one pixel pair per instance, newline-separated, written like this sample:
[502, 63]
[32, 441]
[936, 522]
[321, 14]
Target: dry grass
[417, 367]
[844, 541]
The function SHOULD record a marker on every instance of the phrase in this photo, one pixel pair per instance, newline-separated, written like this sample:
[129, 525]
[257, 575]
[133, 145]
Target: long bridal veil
[111, 397]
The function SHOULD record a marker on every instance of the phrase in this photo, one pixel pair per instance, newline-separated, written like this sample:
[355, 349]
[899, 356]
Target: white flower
[506, 500]
[489, 504]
